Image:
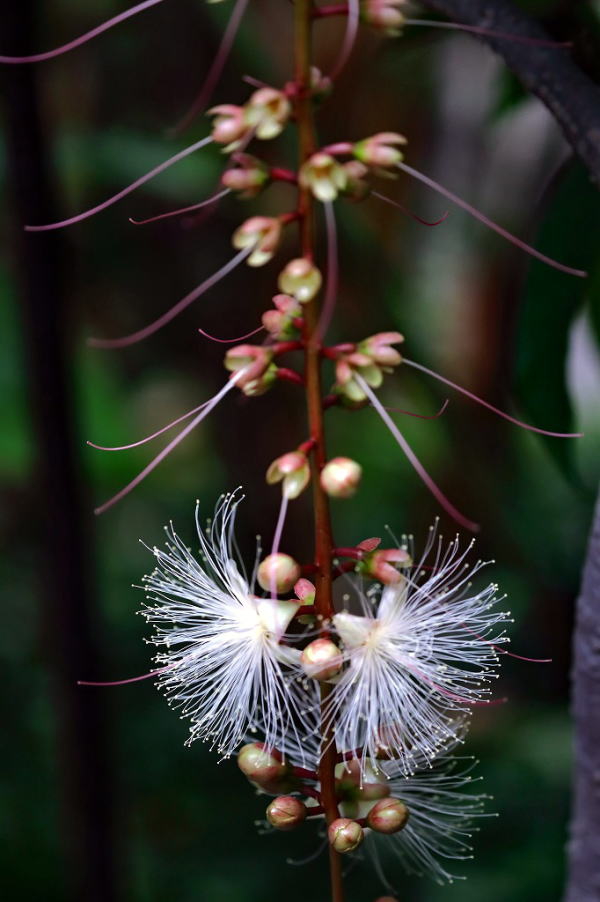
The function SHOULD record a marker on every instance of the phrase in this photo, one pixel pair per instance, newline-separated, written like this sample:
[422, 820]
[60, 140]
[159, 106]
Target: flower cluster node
[305, 591]
[340, 477]
[370, 359]
[286, 812]
[380, 150]
[301, 279]
[321, 659]
[384, 564]
[262, 234]
[265, 769]
[388, 816]
[292, 470]
[282, 322]
[267, 113]
[264, 116]
[385, 15]
[257, 363]
[319, 86]
[323, 176]
[278, 571]
[345, 835]
[248, 177]
[356, 187]
[357, 783]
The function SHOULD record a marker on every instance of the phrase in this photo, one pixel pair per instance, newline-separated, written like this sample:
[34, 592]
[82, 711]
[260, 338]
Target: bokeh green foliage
[186, 827]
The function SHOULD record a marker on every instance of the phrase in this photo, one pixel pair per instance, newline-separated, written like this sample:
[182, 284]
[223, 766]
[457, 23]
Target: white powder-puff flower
[442, 814]
[441, 811]
[223, 666]
[422, 653]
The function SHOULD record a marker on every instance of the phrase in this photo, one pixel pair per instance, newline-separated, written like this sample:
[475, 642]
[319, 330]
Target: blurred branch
[548, 72]
[584, 846]
[61, 531]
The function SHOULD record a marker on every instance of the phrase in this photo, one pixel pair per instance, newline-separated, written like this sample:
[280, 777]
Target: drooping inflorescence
[345, 709]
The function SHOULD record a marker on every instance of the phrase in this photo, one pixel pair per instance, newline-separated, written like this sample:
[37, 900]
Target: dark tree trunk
[548, 72]
[584, 846]
[70, 635]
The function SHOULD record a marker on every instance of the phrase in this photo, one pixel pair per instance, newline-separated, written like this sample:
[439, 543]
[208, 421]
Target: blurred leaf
[570, 232]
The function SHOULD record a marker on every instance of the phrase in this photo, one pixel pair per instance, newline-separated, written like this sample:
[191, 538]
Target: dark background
[99, 799]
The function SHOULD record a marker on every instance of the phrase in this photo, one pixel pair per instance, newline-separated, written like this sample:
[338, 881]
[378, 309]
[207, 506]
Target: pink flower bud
[278, 570]
[263, 234]
[229, 125]
[345, 835]
[262, 767]
[380, 150]
[340, 477]
[357, 782]
[382, 564]
[305, 591]
[388, 816]
[379, 348]
[384, 14]
[321, 659]
[280, 322]
[248, 177]
[323, 176]
[301, 279]
[356, 186]
[347, 366]
[259, 370]
[293, 470]
[267, 112]
[286, 812]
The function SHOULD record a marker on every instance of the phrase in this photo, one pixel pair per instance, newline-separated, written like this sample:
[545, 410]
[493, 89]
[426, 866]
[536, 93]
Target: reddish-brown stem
[334, 9]
[283, 175]
[304, 773]
[283, 347]
[356, 553]
[303, 10]
[315, 811]
[288, 375]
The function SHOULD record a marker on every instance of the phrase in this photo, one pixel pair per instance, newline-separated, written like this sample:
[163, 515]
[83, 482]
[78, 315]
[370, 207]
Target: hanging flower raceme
[222, 665]
[420, 654]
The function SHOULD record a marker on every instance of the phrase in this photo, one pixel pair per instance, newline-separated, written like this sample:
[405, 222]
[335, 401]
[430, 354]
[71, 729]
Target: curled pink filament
[137, 679]
[352, 23]
[414, 460]
[476, 214]
[149, 438]
[206, 409]
[121, 194]
[174, 311]
[213, 199]
[478, 400]
[84, 38]
[214, 73]
[405, 210]
[420, 416]
[488, 32]
[228, 341]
